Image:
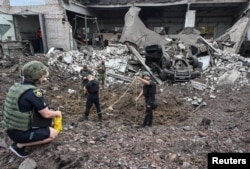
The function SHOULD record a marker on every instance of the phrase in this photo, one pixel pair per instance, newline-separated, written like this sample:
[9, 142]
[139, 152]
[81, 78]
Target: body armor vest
[13, 119]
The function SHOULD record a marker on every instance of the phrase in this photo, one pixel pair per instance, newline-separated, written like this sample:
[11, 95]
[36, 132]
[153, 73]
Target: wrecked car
[176, 68]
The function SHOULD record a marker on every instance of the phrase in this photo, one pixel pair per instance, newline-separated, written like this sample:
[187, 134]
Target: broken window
[3, 29]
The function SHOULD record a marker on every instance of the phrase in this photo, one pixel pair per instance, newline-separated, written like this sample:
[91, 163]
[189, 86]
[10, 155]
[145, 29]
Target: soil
[182, 134]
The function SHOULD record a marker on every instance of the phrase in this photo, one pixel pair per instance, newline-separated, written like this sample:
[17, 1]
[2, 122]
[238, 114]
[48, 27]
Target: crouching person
[27, 119]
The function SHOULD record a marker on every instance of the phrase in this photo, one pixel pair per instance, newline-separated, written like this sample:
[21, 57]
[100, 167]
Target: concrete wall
[59, 34]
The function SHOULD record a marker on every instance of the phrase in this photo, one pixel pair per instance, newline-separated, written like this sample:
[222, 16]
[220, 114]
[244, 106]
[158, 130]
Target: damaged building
[66, 23]
[197, 51]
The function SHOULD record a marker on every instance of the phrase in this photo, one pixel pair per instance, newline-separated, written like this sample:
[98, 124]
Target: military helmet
[34, 70]
[145, 73]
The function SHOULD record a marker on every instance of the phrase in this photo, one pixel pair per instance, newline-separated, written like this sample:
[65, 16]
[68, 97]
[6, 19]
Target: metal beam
[125, 78]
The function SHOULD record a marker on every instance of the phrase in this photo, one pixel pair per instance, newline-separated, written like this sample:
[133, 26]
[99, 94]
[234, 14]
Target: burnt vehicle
[171, 66]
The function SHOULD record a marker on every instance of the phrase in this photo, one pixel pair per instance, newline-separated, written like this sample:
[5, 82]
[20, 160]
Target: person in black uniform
[148, 91]
[92, 91]
[27, 119]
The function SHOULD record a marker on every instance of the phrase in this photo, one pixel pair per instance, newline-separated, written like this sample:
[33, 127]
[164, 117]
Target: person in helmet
[148, 91]
[27, 119]
[83, 74]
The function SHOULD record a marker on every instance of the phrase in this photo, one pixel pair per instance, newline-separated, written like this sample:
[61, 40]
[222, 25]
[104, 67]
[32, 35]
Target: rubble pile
[71, 62]
[224, 69]
[228, 69]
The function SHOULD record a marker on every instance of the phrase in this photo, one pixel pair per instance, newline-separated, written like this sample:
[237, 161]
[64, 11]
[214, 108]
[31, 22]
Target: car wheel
[165, 62]
[193, 61]
[166, 74]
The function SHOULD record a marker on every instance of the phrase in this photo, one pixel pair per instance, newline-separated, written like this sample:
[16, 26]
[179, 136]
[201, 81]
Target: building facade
[62, 22]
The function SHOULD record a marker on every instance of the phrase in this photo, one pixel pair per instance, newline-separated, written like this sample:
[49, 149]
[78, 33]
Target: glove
[57, 123]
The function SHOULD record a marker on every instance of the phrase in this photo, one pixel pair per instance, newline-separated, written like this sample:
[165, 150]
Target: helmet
[145, 73]
[34, 70]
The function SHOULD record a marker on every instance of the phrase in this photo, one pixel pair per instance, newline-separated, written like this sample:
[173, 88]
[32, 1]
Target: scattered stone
[205, 122]
[28, 163]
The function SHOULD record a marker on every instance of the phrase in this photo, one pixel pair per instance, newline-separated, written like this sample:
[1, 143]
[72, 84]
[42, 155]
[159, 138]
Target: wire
[136, 104]
[111, 106]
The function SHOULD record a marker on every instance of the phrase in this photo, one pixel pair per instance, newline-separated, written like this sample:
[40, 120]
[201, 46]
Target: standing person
[148, 91]
[40, 40]
[84, 72]
[101, 69]
[27, 119]
[92, 91]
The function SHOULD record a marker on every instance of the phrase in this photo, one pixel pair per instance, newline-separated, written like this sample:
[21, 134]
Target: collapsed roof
[136, 32]
[231, 41]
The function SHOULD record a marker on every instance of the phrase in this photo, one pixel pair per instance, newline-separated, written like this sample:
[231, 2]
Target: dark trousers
[90, 101]
[40, 45]
[101, 79]
[148, 119]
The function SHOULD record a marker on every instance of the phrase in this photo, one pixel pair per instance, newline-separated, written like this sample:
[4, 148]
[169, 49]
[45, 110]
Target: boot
[86, 118]
[99, 116]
